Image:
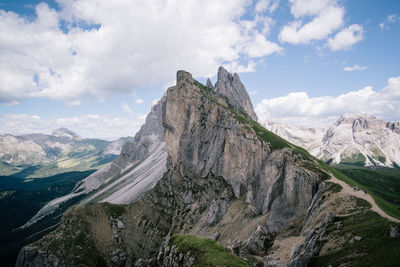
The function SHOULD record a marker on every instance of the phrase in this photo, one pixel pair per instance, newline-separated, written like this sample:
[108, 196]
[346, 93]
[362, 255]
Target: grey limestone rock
[230, 86]
[173, 258]
[394, 232]
[120, 224]
[259, 242]
[216, 211]
[209, 84]
[356, 238]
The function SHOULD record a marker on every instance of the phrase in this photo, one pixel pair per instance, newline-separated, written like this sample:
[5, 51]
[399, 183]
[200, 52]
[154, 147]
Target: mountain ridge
[217, 159]
[224, 177]
[360, 139]
[62, 151]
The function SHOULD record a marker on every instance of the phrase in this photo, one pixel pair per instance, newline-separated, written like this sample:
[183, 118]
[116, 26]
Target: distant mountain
[39, 155]
[307, 137]
[352, 139]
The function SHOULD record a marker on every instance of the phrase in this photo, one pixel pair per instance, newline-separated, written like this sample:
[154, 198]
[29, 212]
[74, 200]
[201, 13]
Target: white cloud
[326, 15]
[260, 47]
[139, 101]
[155, 101]
[12, 103]
[74, 103]
[300, 109]
[87, 126]
[346, 38]
[302, 8]
[137, 43]
[125, 107]
[264, 5]
[355, 67]
[389, 20]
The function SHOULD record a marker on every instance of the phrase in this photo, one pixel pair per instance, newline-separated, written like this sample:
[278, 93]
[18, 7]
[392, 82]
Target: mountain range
[40, 155]
[204, 184]
[353, 139]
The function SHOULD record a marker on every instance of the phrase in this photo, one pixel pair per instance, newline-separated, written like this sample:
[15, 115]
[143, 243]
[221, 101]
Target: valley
[20, 199]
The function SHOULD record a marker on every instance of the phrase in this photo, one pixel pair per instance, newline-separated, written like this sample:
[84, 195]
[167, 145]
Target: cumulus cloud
[139, 101]
[125, 107]
[326, 17]
[346, 38]
[116, 46]
[302, 8]
[105, 127]
[300, 109]
[355, 67]
[267, 5]
[391, 19]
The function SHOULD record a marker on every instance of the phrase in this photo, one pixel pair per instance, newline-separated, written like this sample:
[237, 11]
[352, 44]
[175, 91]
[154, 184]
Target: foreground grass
[207, 252]
[375, 249]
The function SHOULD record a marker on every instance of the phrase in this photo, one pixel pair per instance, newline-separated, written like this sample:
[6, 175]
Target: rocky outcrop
[224, 174]
[394, 231]
[259, 242]
[319, 217]
[168, 256]
[209, 84]
[204, 138]
[231, 87]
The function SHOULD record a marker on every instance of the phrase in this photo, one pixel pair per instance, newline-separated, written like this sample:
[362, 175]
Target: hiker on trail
[365, 192]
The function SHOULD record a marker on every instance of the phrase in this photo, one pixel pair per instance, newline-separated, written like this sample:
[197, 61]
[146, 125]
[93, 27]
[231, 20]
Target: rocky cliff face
[204, 138]
[225, 177]
[230, 86]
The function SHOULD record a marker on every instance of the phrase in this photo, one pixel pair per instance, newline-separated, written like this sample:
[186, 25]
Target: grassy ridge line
[386, 206]
[275, 141]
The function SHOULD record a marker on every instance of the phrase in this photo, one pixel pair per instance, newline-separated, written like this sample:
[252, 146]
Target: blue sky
[97, 66]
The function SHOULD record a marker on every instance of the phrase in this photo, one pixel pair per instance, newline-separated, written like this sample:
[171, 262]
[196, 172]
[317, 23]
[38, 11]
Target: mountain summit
[200, 166]
[230, 86]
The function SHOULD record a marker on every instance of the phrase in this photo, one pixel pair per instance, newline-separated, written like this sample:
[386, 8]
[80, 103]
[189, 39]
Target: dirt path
[347, 189]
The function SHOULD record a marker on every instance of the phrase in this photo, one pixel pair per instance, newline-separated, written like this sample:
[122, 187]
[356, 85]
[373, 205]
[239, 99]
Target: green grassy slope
[207, 252]
[376, 248]
[382, 183]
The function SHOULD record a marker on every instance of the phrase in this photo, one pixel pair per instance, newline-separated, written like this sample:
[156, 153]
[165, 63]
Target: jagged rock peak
[350, 118]
[183, 77]
[209, 84]
[60, 132]
[230, 86]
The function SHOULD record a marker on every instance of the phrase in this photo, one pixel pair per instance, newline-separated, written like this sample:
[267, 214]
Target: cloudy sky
[96, 66]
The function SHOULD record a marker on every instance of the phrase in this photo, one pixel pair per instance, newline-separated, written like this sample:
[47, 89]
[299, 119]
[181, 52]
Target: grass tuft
[207, 252]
